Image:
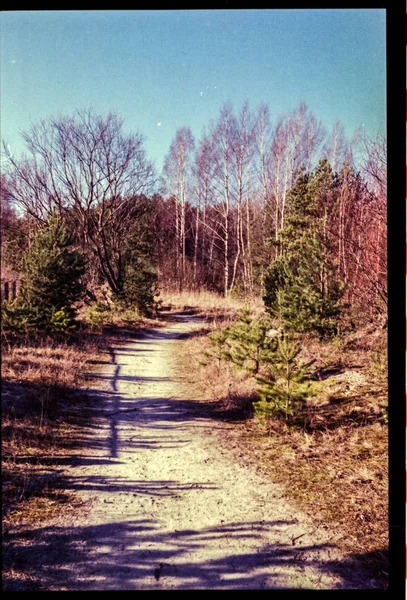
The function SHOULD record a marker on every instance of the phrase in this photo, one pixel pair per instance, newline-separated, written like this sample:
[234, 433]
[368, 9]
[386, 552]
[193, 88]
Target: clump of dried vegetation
[208, 305]
[42, 402]
[332, 457]
[102, 315]
[46, 414]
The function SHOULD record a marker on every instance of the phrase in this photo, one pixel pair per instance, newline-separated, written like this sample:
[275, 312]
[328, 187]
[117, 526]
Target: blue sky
[161, 70]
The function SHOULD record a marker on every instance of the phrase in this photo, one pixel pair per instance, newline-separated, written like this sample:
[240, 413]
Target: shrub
[19, 317]
[98, 314]
[287, 385]
[252, 345]
[247, 342]
[302, 287]
[140, 287]
[52, 269]
[51, 284]
[63, 320]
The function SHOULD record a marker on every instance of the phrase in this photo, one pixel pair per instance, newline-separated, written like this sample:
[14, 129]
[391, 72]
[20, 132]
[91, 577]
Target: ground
[162, 501]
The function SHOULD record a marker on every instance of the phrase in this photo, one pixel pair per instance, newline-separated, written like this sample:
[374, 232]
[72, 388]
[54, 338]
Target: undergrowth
[332, 457]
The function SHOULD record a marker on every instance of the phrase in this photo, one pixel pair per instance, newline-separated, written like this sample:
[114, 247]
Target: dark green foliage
[20, 317]
[139, 283]
[220, 346]
[52, 269]
[272, 357]
[98, 314]
[51, 284]
[63, 320]
[286, 385]
[246, 343]
[302, 288]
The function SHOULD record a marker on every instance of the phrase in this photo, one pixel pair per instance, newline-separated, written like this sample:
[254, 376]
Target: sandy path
[168, 505]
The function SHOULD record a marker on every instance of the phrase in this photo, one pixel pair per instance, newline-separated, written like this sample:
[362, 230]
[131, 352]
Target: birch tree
[177, 169]
[204, 233]
[222, 157]
[243, 138]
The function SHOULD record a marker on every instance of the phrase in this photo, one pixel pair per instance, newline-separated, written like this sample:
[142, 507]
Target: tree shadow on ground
[341, 411]
[201, 332]
[138, 554]
[51, 558]
[39, 423]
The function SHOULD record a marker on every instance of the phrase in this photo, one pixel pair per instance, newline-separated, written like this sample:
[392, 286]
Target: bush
[98, 314]
[51, 284]
[52, 269]
[286, 387]
[140, 287]
[252, 345]
[19, 317]
[247, 343]
[64, 320]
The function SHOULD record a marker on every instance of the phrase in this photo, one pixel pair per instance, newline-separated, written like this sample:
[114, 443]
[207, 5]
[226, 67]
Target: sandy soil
[168, 506]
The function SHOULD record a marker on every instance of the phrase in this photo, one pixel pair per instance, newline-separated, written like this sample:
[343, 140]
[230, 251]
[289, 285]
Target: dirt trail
[168, 507]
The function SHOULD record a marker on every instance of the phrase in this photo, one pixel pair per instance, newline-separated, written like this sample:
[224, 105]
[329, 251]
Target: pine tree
[52, 272]
[301, 286]
[250, 344]
[247, 342]
[139, 286]
[286, 386]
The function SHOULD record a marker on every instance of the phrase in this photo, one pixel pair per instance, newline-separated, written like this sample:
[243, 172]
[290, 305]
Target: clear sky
[161, 70]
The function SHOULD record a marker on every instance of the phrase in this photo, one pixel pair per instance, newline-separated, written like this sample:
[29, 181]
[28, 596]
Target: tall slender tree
[177, 169]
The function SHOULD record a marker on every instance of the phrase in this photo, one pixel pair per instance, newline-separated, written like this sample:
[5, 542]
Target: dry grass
[209, 304]
[114, 317]
[337, 475]
[41, 402]
[45, 417]
[333, 462]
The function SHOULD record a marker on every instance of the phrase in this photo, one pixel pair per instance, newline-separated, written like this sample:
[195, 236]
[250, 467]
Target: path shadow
[137, 554]
[51, 558]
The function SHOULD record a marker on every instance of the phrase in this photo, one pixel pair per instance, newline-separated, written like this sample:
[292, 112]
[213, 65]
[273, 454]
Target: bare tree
[336, 147]
[85, 168]
[312, 136]
[177, 169]
[203, 173]
[374, 167]
[243, 148]
[263, 143]
[286, 157]
[222, 157]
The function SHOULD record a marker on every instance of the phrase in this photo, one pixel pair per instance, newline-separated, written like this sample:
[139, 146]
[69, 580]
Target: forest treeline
[265, 205]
